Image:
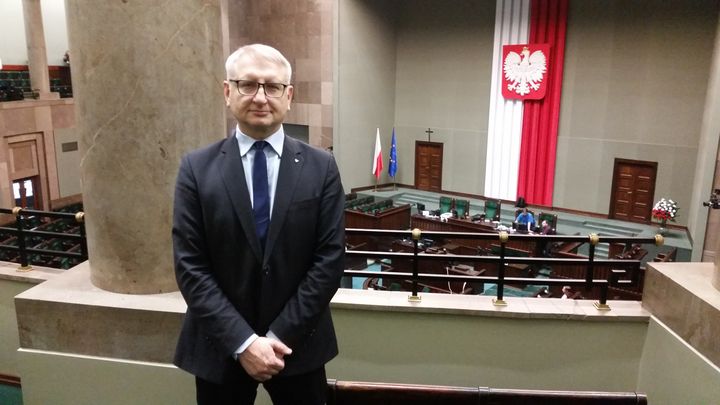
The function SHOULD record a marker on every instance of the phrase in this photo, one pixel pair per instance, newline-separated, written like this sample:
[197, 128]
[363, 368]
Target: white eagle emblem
[524, 72]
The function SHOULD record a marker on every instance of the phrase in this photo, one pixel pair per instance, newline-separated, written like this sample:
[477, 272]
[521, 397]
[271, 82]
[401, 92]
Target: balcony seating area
[45, 242]
[12, 86]
[15, 85]
[64, 89]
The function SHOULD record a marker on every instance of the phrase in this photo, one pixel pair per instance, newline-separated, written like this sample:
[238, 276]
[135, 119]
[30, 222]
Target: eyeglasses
[250, 88]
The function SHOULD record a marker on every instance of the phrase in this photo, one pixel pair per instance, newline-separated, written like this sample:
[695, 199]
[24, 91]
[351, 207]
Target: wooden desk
[391, 218]
[452, 287]
[452, 225]
[466, 225]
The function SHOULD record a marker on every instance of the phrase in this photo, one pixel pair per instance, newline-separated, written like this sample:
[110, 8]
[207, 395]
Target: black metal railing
[27, 238]
[501, 260]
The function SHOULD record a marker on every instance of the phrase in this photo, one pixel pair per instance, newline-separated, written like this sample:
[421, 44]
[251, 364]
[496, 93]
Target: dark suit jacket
[231, 288]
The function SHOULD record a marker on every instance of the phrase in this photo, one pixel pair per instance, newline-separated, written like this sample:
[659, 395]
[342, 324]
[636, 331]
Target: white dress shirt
[272, 155]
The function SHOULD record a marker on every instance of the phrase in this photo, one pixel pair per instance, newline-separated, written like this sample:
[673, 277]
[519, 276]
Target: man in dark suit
[258, 238]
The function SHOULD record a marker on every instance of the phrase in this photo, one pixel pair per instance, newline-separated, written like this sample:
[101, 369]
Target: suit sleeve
[225, 328]
[301, 313]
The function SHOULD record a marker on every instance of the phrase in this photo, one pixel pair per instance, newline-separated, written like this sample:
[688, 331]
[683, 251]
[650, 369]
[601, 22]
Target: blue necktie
[261, 196]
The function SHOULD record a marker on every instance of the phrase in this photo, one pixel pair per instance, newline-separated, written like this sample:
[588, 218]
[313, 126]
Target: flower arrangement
[665, 210]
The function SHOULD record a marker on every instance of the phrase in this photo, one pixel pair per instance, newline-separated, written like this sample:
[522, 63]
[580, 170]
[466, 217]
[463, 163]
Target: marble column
[37, 54]
[704, 223]
[716, 271]
[147, 78]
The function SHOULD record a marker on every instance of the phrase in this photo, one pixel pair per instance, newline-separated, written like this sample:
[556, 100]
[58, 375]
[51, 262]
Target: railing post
[416, 234]
[594, 239]
[499, 301]
[80, 218]
[613, 278]
[24, 264]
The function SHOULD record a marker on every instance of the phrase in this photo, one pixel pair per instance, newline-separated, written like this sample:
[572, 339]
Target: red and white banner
[525, 69]
[512, 23]
[377, 157]
[522, 129]
[541, 118]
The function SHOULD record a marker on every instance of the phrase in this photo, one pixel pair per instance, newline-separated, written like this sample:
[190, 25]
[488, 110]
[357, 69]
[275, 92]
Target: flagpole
[377, 159]
[392, 168]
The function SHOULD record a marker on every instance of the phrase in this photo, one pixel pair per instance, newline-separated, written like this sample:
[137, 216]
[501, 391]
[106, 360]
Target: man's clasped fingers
[261, 359]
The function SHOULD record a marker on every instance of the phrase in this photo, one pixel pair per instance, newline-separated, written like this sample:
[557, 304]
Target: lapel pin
[297, 160]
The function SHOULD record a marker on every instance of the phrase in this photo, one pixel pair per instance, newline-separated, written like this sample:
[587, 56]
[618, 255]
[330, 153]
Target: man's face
[258, 116]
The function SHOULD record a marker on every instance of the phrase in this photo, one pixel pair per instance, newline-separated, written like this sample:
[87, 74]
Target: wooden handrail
[357, 393]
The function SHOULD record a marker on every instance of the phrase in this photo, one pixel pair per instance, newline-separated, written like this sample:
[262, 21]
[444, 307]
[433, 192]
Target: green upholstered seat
[492, 210]
[446, 204]
[462, 207]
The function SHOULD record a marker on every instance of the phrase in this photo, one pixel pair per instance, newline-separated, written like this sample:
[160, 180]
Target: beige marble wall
[681, 297]
[302, 30]
[147, 79]
[716, 273]
[38, 119]
[712, 239]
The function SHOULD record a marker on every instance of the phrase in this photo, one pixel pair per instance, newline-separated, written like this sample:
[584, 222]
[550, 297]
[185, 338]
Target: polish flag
[377, 157]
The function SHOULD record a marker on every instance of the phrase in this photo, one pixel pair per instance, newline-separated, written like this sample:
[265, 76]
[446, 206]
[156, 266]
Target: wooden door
[633, 188]
[428, 165]
[26, 193]
[26, 161]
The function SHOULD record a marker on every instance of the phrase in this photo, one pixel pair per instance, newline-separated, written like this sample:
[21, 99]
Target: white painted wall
[634, 87]
[364, 87]
[13, 48]
[444, 58]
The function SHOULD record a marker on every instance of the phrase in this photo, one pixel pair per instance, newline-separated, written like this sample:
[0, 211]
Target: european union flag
[392, 168]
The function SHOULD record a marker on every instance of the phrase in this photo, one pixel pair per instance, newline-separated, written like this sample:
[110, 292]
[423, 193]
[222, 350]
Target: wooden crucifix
[429, 131]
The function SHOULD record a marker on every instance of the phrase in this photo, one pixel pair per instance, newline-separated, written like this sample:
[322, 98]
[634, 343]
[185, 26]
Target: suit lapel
[291, 164]
[231, 171]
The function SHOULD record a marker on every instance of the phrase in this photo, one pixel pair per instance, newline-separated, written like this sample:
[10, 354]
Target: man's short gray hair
[258, 51]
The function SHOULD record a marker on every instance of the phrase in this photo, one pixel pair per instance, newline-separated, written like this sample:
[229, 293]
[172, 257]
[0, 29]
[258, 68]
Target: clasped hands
[264, 358]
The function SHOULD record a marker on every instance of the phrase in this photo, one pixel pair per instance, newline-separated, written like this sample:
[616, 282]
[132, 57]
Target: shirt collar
[276, 141]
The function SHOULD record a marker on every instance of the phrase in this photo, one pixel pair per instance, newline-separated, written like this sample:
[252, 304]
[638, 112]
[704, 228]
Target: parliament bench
[509, 251]
[356, 393]
[668, 256]
[355, 202]
[404, 265]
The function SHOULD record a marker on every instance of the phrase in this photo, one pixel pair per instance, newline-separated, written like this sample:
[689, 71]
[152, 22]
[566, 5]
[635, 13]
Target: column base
[681, 295]
[68, 314]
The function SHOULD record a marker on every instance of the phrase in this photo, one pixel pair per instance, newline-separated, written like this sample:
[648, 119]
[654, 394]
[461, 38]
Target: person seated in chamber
[525, 220]
[545, 228]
